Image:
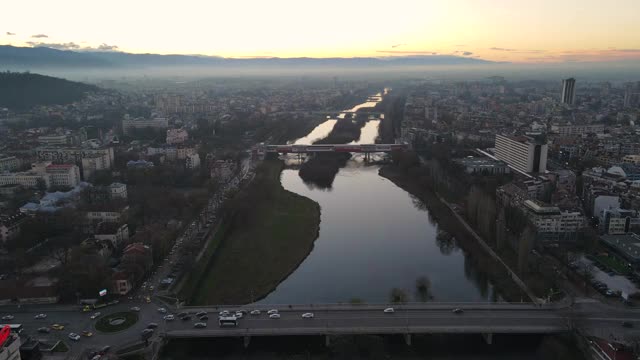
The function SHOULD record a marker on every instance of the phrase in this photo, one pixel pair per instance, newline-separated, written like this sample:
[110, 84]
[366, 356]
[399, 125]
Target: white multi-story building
[553, 224]
[567, 130]
[118, 191]
[67, 175]
[192, 161]
[177, 136]
[9, 163]
[26, 179]
[94, 162]
[55, 140]
[74, 155]
[129, 124]
[523, 153]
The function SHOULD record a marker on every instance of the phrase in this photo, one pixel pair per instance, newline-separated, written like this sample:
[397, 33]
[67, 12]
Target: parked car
[186, 318]
[87, 333]
[272, 311]
[255, 312]
[200, 325]
[169, 317]
[201, 313]
[95, 315]
[162, 310]
[152, 326]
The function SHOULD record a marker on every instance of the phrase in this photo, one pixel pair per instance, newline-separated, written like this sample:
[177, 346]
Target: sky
[523, 31]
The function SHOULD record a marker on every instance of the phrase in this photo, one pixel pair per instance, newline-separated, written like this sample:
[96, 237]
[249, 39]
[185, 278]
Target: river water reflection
[374, 237]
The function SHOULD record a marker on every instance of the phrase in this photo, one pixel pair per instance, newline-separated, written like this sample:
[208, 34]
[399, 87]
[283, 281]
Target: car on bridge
[272, 311]
[457, 311]
[389, 310]
[274, 316]
[308, 315]
[255, 312]
[40, 316]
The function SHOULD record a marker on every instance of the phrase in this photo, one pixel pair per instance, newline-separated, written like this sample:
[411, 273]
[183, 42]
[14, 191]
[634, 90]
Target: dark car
[44, 330]
[186, 318]
[627, 324]
[204, 318]
[152, 326]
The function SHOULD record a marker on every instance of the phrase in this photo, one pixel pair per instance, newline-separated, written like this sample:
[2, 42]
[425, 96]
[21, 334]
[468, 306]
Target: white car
[224, 313]
[74, 336]
[8, 317]
[272, 311]
[169, 317]
[162, 310]
[307, 316]
[255, 312]
[274, 316]
[389, 311]
[40, 316]
[239, 315]
[95, 315]
[135, 309]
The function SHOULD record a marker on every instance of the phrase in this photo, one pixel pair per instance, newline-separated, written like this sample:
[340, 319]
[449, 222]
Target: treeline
[25, 90]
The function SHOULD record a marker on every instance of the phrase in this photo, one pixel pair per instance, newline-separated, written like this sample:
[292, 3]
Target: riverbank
[506, 288]
[271, 233]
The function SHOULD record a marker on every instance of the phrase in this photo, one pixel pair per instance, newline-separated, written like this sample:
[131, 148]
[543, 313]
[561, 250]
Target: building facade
[568, 91]
[65, 175]
[522, 153]
[129, 124]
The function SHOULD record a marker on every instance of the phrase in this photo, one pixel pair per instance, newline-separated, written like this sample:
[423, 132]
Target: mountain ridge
[48, 57]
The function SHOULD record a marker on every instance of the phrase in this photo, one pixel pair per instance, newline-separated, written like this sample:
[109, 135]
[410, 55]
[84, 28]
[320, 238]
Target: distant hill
[25, 90]
[39, 57]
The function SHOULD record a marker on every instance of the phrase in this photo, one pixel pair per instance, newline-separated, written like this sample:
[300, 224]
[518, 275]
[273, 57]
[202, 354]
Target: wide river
[373, 238]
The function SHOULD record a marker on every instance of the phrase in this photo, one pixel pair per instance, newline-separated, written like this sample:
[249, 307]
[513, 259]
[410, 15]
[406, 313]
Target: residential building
[192, 161]
[631, 159]
[9, 163]
[65, 175]
[128, 124]
[473, 165]
[183, 151]
[568, 91]
[10, 226]
[118, 191]
[605, 202]
[112, 232]
[552, 224]
[115, 216]
[139, 164]
[523, 153]
[177, 136]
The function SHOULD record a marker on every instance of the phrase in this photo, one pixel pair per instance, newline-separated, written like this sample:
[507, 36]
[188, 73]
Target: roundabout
[116, 322]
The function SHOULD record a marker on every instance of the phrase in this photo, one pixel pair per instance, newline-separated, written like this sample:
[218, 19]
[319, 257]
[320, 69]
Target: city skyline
[496, 30]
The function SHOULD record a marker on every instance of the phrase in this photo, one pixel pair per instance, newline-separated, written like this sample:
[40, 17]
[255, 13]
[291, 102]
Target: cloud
[467, 53]
[501, 49]
[10, 33]
[105, 47]
[39, 36]
[397, 45]
[73, 46]
[407, 52]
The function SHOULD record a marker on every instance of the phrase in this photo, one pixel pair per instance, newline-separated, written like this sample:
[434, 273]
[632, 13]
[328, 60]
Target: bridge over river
[589, 317]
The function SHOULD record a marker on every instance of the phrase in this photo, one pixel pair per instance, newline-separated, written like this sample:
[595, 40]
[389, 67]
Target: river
[374, 237]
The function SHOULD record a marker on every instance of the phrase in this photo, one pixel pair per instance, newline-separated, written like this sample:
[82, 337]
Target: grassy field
[274, 236]
[614, 263]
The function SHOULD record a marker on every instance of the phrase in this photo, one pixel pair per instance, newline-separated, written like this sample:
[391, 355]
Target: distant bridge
[351, 148]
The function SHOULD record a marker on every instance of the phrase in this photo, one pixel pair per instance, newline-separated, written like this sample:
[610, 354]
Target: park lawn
[614, 263]
[253, 260]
